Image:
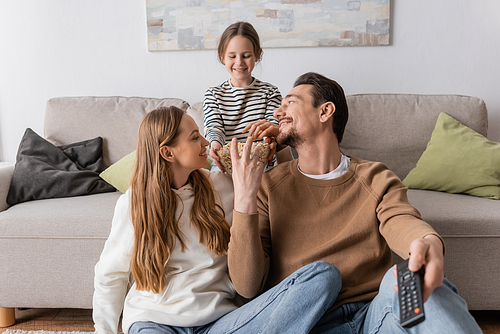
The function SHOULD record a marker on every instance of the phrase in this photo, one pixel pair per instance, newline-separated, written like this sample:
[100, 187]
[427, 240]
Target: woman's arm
[112, 272]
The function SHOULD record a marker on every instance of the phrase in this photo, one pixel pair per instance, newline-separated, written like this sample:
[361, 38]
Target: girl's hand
[247, 176]
[214, 147]
[272, 149]
[261, 128]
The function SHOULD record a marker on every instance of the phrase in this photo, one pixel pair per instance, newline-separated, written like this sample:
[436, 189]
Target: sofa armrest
[5, 179]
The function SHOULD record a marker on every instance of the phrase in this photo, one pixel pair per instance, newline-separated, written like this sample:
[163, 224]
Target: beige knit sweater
[352, 222]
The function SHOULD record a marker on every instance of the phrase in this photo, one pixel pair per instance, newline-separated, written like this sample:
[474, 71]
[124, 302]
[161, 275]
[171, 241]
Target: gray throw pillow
[44, 170]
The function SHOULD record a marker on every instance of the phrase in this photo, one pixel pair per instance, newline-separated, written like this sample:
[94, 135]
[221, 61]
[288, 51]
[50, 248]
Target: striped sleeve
[274, 102]
[212, 118]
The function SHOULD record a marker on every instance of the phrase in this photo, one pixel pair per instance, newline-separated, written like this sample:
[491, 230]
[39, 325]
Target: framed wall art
[197, 24]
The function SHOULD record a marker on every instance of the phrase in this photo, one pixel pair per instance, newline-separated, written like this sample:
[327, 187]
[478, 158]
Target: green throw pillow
[119, 173]
[458, 160]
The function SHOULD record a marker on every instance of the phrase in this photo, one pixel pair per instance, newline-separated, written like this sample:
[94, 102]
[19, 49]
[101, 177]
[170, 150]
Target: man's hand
[247, 176]
[428, 251]
[215, 146]
[261, 128]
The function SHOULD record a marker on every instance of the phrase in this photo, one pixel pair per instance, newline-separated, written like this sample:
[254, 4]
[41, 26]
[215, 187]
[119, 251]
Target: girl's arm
[212, 119]
[112, 272]
[273, 103]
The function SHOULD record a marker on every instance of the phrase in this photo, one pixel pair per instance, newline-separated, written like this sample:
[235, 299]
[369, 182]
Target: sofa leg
[7, 316]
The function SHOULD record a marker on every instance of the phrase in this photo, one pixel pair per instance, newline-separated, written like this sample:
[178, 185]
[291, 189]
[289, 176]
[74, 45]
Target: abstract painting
[198, 24]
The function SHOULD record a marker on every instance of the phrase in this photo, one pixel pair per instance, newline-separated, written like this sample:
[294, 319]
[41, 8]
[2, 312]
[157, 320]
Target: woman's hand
[261, 128]
[247, 176]
[215, 146]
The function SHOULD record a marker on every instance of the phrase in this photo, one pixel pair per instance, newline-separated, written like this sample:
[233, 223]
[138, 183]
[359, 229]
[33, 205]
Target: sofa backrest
[115, 119]
[390, 128]
[395, 128]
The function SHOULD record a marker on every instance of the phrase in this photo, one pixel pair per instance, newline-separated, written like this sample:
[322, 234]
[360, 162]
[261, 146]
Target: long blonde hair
[153, 204]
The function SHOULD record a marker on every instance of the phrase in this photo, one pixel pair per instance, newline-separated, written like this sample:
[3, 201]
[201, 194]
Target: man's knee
[326, 272]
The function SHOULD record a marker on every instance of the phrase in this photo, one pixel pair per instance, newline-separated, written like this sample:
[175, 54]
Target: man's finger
[235, 156]
[247, 149]
[418, 249]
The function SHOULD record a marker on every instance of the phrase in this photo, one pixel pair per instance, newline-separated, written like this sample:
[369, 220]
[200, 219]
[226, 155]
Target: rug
[18, 331]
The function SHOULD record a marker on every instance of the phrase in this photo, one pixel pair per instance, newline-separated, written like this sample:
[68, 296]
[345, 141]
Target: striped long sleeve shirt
[227, 109]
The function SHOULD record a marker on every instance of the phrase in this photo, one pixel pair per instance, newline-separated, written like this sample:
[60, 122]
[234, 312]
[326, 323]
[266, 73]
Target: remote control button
[417, 310]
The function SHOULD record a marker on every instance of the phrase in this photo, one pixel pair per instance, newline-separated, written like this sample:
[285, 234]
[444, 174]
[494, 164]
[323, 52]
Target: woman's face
[190, 151]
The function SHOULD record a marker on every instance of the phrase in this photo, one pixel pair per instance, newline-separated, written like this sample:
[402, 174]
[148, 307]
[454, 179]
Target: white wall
[71, 48]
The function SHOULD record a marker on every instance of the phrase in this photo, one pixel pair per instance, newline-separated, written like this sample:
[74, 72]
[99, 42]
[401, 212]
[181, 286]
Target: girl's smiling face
[239, 60]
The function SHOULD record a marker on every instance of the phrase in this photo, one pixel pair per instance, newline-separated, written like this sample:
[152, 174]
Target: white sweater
[198, 290]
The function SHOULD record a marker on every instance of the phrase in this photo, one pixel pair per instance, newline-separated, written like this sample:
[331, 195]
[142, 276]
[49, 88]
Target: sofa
[48, 247]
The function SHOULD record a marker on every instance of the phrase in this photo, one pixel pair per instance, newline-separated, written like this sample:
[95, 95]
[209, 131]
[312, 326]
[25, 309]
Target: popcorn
[225, 154]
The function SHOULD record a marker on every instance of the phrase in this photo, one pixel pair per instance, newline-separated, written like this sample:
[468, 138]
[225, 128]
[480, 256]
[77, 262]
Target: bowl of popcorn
[225, 154]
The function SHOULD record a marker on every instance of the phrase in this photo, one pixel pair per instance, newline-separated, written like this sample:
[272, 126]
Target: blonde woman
[171, 231]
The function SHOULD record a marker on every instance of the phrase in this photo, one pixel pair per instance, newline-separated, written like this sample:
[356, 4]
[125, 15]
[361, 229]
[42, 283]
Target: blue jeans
[445, 312]
[293, 306]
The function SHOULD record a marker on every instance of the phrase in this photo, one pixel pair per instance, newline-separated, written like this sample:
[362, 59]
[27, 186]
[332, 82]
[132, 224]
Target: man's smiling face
[297, 117]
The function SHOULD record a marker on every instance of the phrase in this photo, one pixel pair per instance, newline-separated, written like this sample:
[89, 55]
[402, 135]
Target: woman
[170, 231]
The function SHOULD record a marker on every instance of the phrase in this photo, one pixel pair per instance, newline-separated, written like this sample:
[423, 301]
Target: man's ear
[327, 111]
[167, 154]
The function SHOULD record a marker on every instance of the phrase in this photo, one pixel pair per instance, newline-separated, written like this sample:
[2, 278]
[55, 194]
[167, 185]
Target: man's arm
[247, 261]
[407, 234]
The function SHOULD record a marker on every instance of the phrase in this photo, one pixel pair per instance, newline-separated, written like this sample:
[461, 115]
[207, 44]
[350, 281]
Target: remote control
[411, 303]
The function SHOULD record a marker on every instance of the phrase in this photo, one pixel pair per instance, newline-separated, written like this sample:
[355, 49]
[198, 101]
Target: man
[325, 206]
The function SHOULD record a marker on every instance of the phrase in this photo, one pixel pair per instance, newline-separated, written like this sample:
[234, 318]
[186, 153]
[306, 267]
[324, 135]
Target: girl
[170, 231]
[232, 107]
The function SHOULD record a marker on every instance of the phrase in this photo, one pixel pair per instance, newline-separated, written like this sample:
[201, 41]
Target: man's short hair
[327, 90]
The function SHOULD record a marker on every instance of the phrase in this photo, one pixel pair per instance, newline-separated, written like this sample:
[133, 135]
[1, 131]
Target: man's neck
[320, 157]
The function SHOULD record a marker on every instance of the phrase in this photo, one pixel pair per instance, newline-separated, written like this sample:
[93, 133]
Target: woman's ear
[327, 111]
[167, 154]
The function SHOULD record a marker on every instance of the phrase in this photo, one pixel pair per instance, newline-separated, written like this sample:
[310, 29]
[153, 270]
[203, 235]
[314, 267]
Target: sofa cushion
[116, 119]
[69, 217]
[49, 247]
[119, 173]
[43, 170]
[196, 111]
[458, 160]
[457, 215]
[395, 128]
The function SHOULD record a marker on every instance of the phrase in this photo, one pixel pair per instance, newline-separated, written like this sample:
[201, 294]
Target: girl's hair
[153, 204]
[243, 29]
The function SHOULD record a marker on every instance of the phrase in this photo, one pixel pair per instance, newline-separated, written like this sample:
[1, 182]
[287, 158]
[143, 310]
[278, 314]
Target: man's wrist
[436, 241]
[245, 205]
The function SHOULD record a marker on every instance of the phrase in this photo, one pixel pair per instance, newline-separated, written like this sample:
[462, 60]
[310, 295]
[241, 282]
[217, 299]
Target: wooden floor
[81, 320]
